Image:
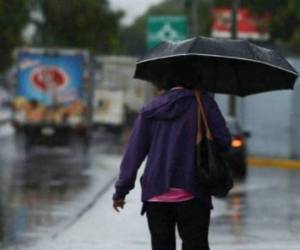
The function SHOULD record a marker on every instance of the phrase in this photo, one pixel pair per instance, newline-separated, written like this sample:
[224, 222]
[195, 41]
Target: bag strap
[201, 118]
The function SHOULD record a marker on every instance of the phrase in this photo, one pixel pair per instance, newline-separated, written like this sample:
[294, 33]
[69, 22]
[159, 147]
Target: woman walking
[165, 131]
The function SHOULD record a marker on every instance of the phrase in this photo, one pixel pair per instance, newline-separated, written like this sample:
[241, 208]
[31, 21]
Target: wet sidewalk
[259, 214]
[101, 228]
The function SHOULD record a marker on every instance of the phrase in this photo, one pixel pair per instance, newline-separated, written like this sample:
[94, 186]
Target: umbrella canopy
[235, 67]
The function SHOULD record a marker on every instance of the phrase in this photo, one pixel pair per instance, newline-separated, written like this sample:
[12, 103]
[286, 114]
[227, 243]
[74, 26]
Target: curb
[273, 163]
[86, 208]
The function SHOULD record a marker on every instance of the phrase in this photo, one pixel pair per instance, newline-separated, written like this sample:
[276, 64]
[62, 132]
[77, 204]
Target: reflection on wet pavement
[263, 212]
[40, 186]
[43, 193]
[252, 217]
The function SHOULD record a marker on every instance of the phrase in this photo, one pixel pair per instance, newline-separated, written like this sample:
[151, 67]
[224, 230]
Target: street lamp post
[195, 9]
[234, 16]
[234, 35]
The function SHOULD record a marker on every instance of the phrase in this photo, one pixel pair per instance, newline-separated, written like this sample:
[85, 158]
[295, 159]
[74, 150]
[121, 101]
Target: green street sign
[165, 28]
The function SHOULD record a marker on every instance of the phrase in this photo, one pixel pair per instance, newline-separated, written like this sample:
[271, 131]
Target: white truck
[117, 96]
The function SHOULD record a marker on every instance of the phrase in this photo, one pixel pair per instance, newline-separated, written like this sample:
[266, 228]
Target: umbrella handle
[201, 116]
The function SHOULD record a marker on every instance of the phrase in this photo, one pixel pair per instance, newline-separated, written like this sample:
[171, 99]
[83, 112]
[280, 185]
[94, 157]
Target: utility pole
[234, 35]
[234, 18]
[195, 19]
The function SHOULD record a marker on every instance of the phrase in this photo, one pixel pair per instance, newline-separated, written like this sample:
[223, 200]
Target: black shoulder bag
[211, 167]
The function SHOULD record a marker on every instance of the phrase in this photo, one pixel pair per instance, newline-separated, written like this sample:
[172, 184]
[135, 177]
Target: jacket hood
[169, 105]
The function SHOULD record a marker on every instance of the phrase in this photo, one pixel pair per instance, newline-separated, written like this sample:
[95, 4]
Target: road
[56, 201]
[45, 193]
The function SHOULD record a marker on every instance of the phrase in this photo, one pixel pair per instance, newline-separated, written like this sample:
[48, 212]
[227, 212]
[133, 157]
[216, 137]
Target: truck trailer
[52, 104]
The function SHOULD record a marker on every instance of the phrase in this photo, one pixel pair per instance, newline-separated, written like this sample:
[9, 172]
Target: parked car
[237, 156]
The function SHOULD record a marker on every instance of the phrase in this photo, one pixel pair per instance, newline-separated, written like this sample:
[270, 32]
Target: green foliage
[134, 37]
[257, 6]
[285, 26]
[13, 18]
[80, 23]
[285, 19]
[261, 7]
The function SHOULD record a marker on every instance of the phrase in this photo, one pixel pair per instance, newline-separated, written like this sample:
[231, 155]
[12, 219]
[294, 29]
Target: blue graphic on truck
[50, 79]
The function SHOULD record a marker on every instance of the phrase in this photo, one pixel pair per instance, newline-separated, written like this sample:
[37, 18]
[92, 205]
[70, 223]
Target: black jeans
[191, 218]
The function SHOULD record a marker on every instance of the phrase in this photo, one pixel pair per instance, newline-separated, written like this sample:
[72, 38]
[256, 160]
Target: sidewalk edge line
[86, 208]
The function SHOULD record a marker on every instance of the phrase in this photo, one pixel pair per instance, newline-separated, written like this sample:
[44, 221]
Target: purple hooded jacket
[165, 131]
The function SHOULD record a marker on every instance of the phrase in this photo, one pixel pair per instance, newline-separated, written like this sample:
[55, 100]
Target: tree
[285, 26]
[284, 23]
[13, 18]
[134, 36]
[80, 23]
[284, 20]
[257, 6]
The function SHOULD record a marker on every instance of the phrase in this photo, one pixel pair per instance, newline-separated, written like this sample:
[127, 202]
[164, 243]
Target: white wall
[268, 118]
[273, 119]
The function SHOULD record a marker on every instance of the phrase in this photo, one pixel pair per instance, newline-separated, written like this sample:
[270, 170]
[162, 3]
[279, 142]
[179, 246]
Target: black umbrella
[235, 67]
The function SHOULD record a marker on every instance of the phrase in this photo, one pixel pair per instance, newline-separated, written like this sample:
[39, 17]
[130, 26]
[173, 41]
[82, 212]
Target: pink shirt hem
[173, 195]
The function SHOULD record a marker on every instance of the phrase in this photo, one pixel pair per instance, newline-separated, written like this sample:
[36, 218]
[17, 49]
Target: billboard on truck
[52, 97]
[50, 85]
[50, 79]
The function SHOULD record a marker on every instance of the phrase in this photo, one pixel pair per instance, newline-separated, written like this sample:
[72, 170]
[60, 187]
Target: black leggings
[191, 218]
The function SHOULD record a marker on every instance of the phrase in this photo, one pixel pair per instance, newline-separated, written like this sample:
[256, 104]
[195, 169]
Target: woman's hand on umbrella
[118, 203]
